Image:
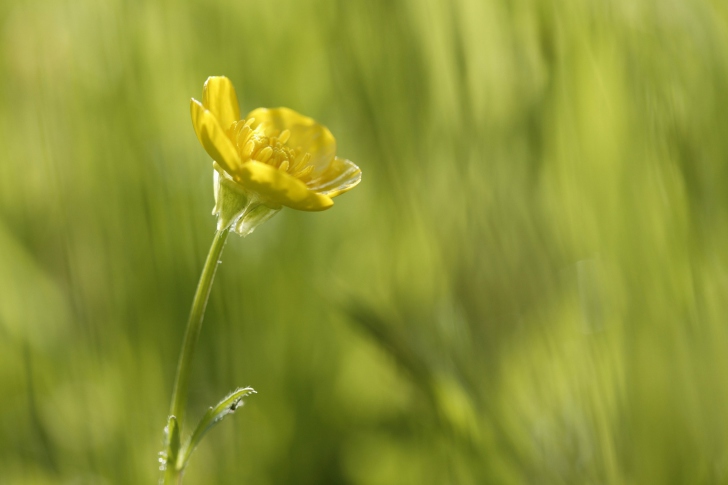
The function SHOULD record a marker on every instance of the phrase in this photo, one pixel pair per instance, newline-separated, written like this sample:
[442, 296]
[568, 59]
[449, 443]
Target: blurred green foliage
[529, 286]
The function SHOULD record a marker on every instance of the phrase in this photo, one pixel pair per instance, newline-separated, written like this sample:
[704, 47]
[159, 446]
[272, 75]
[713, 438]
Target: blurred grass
[528, 287]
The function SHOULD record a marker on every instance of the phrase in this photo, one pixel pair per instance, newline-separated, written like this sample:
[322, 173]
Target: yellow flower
[269, 159]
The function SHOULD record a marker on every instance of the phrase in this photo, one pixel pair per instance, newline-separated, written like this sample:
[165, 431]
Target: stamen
[271, 150]
[284, 136]
[264, 154]
[248, 149]
[304, 172]
[243, 135]
[302, 162]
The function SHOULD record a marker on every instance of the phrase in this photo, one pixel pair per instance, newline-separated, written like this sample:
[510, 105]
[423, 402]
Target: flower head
[269, 159]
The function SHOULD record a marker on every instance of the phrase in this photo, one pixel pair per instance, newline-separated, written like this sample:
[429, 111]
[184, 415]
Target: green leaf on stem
[214, 415]
[168, 457]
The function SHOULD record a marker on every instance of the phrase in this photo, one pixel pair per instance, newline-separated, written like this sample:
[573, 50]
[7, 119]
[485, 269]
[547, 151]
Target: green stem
[179, 395]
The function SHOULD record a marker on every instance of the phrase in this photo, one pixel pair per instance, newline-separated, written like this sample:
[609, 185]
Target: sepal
[253, 218]
[237, 208]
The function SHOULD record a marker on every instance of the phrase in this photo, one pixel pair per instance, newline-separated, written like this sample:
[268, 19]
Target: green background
[530, 285]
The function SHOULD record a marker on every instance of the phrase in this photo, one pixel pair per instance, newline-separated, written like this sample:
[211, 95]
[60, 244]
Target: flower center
[254, 144]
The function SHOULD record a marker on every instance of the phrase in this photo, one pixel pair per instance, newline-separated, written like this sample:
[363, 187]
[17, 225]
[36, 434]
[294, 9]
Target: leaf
[171, 444]
[214, 415]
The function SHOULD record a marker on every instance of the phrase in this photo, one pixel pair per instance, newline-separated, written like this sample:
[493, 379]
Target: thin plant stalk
[194, 324]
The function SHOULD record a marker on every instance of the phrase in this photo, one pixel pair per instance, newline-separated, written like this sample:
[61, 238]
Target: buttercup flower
[269, 159]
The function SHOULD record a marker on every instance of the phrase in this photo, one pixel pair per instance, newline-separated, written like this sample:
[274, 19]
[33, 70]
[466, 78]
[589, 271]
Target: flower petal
[341, 175]
[310, 136]
[218, 97]
[280, 188]
[213, 137]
